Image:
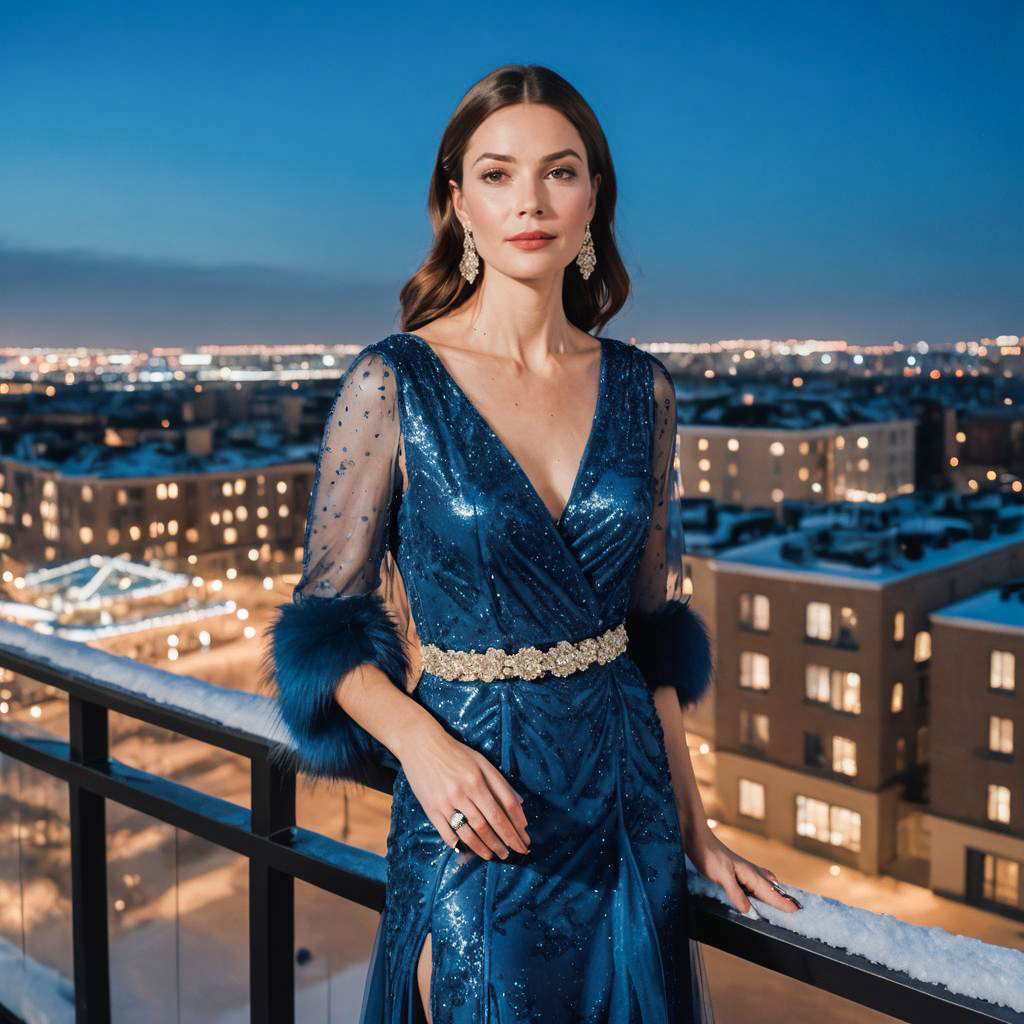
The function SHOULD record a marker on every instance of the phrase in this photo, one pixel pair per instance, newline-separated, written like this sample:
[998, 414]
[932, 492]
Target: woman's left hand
[737, 876]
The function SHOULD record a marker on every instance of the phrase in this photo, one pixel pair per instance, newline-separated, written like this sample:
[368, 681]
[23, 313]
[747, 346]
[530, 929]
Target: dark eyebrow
[512, 159]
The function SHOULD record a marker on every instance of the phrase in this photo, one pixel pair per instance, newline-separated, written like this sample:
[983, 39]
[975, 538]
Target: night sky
[187, 173]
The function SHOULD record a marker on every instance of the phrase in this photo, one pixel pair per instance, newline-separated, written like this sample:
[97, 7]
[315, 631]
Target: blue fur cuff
[672, 646]
[312, 644]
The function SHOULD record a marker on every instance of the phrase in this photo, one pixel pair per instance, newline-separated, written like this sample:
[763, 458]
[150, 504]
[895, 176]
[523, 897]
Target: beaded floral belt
[564, 658]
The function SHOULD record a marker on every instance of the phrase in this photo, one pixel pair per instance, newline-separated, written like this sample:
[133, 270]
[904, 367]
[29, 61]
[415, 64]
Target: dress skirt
[591, 925]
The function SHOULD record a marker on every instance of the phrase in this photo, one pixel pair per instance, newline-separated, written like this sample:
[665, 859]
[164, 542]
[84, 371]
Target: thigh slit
[425, 1000]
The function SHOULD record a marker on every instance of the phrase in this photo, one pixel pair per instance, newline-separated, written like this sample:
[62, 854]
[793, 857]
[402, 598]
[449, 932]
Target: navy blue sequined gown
[591, 926]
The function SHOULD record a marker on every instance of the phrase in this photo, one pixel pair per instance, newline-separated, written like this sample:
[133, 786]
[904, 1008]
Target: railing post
[90, 939]
[271, 900]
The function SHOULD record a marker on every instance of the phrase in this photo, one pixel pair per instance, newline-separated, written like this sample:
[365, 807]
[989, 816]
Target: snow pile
[30, 990]
[248, 712]
[962, 964]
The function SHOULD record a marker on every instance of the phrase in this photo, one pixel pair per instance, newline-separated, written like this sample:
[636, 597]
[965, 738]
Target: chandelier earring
[587, 258]
[469, 265]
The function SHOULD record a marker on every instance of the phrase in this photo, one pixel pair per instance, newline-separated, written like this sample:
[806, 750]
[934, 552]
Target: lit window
[751, 798]
[844, 755]
[922, 645]
[754, 611]
[999, 804]
[898, 626]
[828, 823]
[819, 620]
[1000, 734]
[753, 728]
[1002, 670]
[836, 687]
[1001, 880]
[896, 705]
[754, 672]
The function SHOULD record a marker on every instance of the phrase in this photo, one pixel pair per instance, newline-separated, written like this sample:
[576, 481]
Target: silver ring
[457, 820]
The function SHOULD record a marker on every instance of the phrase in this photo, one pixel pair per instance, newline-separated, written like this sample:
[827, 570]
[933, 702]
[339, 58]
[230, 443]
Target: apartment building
[976, 817]
[787, 457]
[825, 666]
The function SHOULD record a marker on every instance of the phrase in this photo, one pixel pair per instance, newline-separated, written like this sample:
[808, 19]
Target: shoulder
[646, 363]
[662, 388]
[370, 378]
[379, 363]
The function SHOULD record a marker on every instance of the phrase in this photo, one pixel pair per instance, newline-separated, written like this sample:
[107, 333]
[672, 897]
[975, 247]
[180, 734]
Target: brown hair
[437, 287]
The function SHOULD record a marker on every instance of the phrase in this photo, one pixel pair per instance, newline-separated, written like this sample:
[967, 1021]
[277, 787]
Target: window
[754, 611]
[819, 621]
[847, 627]
[838, 688]
[828, 823]
[896, 706]
[751, 798]
[998, 804]
[814, 752]
[1001, 880]
[753, 728]
[754, 670]
[922, 744]
[1000, 734]
[816, 683]
[1001, 671]
[846, 691]
[844, 755]
[901, 753]
[922, 645]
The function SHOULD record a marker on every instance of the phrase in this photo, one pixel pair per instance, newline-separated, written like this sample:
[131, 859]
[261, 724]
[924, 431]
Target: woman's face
[525, 169]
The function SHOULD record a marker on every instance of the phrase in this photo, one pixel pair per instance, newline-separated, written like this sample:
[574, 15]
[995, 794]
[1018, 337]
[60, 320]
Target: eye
[568, 174]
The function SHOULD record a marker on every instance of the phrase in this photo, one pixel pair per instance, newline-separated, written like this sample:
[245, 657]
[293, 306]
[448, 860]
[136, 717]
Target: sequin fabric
[590, 926]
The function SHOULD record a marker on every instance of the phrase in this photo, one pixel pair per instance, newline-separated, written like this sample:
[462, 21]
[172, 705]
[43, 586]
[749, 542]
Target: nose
[529, 200]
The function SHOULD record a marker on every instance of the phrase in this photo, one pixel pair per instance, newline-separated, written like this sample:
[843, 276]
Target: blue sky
[185, 172]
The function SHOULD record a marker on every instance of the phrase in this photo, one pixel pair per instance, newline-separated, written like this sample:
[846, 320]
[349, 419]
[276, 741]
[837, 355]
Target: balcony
[874, 961]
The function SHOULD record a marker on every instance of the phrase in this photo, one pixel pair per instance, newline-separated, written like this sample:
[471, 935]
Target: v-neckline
[584, 458]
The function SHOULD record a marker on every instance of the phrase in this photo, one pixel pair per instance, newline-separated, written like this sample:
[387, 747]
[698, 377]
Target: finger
[481, 807]
[498, 803]
[446, 832]
[735, 892]
[760, 887]
[510, 800]
[468, 835]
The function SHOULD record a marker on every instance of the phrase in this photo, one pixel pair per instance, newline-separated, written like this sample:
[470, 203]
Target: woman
[491, 603]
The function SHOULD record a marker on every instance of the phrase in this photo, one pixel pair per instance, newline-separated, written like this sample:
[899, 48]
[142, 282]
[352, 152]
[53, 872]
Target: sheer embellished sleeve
[668, 640]
[343, 612]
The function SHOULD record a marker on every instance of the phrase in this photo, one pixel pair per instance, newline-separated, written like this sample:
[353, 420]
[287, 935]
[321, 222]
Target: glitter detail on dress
[589, 927]
[563, 659]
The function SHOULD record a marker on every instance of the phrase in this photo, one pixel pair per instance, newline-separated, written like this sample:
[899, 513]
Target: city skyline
[197, 176]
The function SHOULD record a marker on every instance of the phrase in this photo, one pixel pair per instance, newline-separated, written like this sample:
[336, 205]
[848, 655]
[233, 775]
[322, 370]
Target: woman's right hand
[447, 775]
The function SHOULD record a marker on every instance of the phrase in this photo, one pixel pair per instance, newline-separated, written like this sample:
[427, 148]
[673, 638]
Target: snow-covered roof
[869, 545]
[998, 609]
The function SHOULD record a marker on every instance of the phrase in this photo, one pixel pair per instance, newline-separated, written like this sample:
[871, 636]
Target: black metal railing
[278, 851]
